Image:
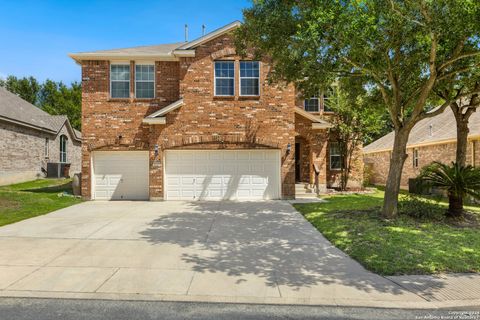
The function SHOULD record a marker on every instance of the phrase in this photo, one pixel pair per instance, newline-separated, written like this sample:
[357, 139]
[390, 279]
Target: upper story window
[323, 101]
[224, 78]
[312, 104]
[336, 159]
[63, 148]
[249, 78]
[145, 81]
[120, 80]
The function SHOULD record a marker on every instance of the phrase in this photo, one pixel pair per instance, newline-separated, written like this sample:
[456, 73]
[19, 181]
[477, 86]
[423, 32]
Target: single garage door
[222, 174]
[120, 175]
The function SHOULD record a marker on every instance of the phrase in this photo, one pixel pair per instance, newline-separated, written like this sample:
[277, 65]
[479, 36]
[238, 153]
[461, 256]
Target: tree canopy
[404, 50]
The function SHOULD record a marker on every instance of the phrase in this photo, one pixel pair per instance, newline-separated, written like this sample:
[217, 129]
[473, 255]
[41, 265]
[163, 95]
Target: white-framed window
[312, 104]
[145, 81]
[322, 101]
[415, 158]
[63, 148]
[224, 78]
[336, 159]
[120, 80]
[46, 151]
[249, 78]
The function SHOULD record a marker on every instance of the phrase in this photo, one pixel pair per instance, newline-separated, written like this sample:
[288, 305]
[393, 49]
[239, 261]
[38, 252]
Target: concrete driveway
[262, 252]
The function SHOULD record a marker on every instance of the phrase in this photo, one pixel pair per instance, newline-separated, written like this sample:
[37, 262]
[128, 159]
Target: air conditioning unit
[58, 170]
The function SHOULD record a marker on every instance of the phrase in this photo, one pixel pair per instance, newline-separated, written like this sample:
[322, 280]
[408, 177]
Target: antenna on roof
[186, 32]
[203, 29]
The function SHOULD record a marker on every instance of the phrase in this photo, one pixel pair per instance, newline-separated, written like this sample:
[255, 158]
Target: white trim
[159, 120]
[215, 79]
[184, 53]
[318, 123]
[129, 79]
[240, 79]
[79, 57]
[166, 109]
[335, 155]
[148, 81]
[211, 35]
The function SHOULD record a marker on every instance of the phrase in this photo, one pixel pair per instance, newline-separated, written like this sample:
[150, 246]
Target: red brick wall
[104, 120]
[264, 122]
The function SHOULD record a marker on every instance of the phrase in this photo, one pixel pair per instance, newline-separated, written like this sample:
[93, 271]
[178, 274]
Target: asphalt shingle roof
[12, 107]
[440, 128]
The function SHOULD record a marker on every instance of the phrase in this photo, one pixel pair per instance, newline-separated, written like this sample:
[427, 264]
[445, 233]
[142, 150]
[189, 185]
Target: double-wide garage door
[189, 175]
[120, 175]
[222, 174]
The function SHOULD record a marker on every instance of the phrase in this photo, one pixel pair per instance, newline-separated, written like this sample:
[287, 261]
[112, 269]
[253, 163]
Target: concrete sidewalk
[251, 252]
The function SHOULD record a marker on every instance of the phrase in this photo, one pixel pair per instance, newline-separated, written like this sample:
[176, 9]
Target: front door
[297, 162]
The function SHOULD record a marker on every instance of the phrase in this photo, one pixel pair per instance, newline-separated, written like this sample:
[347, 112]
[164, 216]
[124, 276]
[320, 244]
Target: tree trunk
[462, 141]
[455, 206]
[462, 132]
[392, 188]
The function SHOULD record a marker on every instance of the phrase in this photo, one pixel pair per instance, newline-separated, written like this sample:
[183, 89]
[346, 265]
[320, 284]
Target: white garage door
[222, 174]
[120, 175]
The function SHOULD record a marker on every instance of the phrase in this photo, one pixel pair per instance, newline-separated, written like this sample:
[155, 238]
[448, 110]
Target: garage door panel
[120, 175]
[222, 174]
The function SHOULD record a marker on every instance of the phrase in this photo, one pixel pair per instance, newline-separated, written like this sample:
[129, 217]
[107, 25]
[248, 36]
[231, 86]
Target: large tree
[26, 88]
[400, 48]
[58, 99]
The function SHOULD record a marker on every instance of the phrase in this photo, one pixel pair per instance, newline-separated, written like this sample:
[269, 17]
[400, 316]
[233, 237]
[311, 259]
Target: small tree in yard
[459, 181]
[403, 49]
[357, 119]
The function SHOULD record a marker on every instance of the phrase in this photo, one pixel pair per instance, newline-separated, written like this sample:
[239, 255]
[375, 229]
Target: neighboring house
[31, 138]
[432, 139]
[194, 120]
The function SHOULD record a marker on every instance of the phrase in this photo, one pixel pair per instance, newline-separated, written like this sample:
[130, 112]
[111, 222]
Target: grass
[405, 245]
[30, 199]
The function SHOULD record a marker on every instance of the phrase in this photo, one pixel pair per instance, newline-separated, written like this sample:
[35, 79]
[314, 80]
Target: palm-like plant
[458, 181]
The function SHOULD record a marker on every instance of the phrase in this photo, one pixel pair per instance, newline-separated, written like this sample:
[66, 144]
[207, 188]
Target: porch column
[318, 159]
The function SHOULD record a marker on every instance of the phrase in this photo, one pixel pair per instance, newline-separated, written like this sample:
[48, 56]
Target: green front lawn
[404, 246]
[30, 199]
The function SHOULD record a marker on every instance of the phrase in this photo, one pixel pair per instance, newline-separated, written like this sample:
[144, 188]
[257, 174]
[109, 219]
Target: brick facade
[377, 164]
[23, 152]
[204, 121]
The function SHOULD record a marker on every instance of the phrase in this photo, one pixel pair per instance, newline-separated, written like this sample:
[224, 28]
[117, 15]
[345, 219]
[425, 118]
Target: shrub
[420, 208]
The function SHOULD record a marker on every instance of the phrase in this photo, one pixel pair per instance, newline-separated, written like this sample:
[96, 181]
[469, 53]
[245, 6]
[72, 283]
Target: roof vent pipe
[203, 29]
[186, 32]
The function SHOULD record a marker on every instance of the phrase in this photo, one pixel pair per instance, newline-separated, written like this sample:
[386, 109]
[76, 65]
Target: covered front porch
[311, 141]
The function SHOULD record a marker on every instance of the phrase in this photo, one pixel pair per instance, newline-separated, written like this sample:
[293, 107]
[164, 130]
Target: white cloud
[3, 75]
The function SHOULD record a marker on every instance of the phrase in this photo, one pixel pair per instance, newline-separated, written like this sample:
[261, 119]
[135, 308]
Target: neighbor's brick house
[195, 120]
[31, 138]
[432, 139]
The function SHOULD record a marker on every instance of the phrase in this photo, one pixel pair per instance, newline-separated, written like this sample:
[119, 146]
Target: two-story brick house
[195, 120]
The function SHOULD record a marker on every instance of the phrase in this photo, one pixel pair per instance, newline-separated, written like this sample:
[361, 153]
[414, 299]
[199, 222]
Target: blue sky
[38, 35]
